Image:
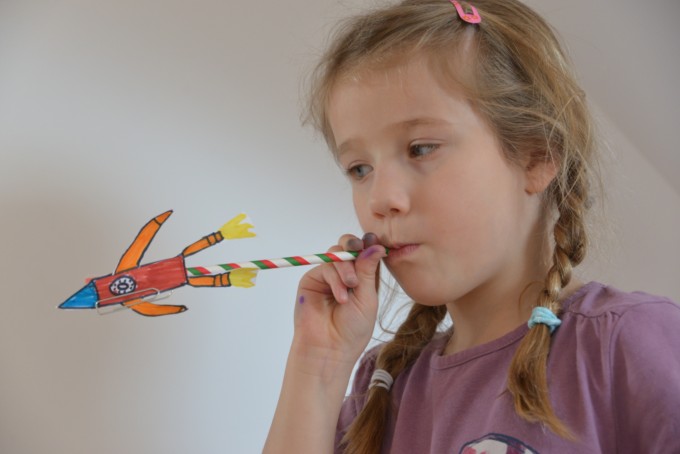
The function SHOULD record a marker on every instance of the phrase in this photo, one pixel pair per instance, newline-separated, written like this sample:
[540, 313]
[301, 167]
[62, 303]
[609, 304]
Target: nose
[389, 194]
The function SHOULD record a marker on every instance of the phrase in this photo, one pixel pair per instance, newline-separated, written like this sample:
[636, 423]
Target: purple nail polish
[302, 299]
[355, 244]
[366, 253]
[370, 239]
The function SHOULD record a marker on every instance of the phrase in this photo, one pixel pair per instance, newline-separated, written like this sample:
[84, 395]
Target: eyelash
[353, 171]
[430, 146]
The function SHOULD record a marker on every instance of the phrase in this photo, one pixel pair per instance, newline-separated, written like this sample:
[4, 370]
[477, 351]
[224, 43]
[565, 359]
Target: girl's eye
[359, 171]
[422, 149]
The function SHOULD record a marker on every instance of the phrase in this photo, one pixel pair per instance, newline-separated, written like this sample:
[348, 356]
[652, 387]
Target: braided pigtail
[527, 379]
[366, 433]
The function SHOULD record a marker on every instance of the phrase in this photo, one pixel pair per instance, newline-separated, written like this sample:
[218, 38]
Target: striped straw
[284, 262]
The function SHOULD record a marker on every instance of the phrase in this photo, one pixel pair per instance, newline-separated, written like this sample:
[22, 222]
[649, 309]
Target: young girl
[469, 146]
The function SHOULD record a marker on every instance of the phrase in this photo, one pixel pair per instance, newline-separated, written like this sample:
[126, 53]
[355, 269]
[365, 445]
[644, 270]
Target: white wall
[635, 244]
[112, 112]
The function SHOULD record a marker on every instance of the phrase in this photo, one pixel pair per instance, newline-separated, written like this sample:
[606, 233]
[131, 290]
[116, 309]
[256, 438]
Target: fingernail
[355, 244]
[370, 239]
[366, 253]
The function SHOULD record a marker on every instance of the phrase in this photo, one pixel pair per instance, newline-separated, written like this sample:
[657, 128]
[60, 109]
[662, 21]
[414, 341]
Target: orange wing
[153, 310]
[135, 252]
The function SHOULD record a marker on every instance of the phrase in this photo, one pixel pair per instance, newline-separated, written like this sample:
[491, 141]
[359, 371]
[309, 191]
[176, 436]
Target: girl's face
[430, 179]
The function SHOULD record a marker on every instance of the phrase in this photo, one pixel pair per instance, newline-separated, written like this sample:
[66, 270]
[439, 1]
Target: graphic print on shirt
[496, 444]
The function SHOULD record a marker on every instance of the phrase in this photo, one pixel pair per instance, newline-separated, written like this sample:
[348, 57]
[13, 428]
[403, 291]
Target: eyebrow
[424, 121]
[411, 123]
[346, 146]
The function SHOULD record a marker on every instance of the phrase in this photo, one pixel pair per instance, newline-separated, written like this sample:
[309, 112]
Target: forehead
[452, 66]
[451, 69]
[406, 94]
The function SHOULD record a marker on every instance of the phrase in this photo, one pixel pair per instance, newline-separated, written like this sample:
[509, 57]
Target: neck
[492, 313]
[486, 314]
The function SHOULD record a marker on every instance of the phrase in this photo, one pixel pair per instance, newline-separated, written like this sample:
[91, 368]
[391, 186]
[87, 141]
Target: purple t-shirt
[613, 375]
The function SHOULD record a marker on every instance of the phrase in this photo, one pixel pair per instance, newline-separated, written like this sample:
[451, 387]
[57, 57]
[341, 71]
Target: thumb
[366, 266]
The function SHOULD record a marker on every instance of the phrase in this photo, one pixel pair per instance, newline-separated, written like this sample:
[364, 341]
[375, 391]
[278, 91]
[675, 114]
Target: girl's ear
[540, 174]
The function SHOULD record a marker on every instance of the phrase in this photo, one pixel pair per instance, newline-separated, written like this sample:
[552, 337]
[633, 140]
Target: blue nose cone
[85, 298]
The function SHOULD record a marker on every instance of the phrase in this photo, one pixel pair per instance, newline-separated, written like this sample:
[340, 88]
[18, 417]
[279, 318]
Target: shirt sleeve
[357, 399]
[645, 366]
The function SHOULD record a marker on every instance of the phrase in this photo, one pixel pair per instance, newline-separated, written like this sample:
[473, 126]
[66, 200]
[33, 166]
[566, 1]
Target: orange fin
[135, 252]
[206, 241]
[154, 310]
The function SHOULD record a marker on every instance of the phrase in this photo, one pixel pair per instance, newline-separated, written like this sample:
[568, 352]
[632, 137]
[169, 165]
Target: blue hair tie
[544, 316]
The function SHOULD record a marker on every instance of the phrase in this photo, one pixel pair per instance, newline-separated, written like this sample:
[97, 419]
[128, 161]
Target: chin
[424, 295]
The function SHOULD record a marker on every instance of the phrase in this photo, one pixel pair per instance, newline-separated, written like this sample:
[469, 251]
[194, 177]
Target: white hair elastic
[381, 378]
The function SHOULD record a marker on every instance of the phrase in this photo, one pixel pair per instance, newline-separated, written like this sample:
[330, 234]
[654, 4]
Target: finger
[370, 239]
[350, 242]
[366, 266]
[345, 270]
[335, 281]
[322, 280]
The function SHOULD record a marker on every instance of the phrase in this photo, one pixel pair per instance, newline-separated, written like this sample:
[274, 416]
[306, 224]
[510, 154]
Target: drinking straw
[284, 262]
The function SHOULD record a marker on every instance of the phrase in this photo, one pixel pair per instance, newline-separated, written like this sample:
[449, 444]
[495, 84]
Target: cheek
[361, 209]
[472, 212]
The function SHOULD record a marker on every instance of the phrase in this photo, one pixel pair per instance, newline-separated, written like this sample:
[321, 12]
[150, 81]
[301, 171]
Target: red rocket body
[146, 280]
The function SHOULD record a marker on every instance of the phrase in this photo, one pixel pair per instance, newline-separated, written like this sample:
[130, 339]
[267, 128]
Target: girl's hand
[335, 312]
[337, 303]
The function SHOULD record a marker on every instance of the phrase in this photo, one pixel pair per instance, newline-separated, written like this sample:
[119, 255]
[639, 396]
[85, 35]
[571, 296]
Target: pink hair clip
[471, 17]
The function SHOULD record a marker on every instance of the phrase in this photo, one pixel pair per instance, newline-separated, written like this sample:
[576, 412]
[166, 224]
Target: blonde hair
[519, 79]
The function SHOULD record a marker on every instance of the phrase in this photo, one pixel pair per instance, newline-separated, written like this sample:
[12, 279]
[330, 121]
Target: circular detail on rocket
[123, 285]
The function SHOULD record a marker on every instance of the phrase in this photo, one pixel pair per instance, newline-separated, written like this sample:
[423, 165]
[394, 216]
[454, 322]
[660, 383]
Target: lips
[400, 251]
